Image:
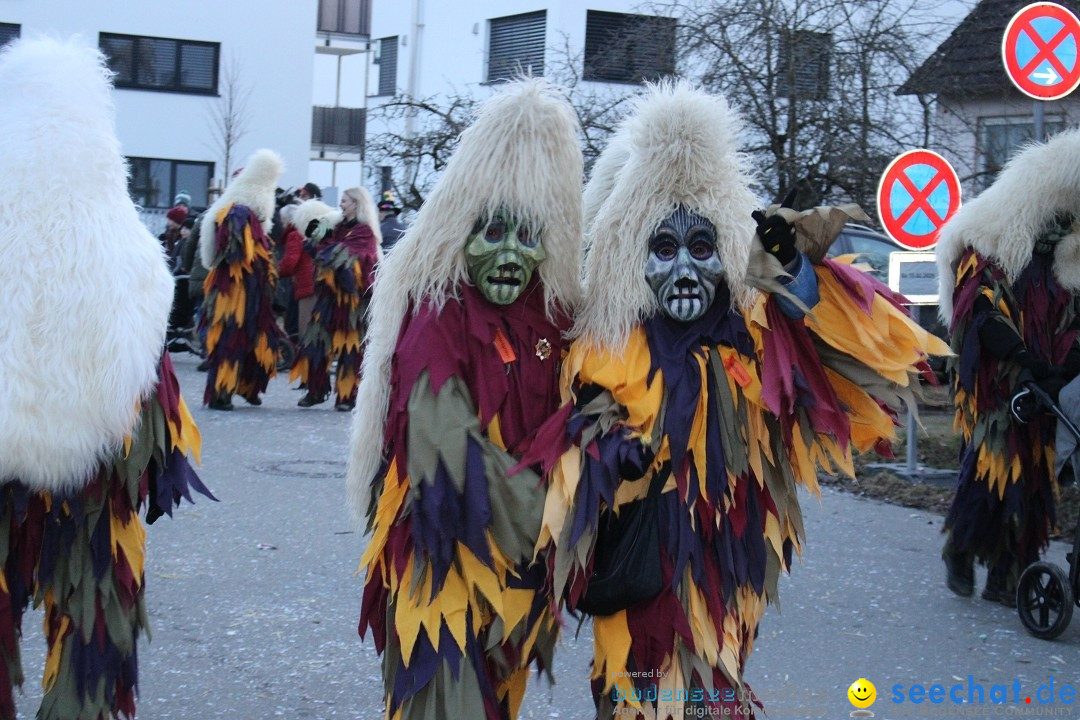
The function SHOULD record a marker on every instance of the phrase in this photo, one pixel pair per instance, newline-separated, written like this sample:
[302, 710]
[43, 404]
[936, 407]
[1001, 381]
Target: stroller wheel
[1044, 600]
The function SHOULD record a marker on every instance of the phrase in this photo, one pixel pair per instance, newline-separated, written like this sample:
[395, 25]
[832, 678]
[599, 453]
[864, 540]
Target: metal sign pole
[912, 430]
[1040, 122]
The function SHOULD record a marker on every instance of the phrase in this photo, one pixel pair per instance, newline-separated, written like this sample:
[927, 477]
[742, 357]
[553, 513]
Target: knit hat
[182, 198]
[387, 202]
[177, 214]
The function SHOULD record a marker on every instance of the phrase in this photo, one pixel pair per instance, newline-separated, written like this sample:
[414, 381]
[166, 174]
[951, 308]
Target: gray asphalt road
[254, 600]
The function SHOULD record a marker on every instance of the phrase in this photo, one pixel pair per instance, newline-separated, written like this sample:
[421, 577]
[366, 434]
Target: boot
[995, 585]
[959, 571]
[308, 400]
[221, 402]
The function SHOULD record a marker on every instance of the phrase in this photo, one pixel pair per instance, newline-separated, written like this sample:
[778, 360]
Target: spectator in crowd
[170, 237]
[389, 224]
[346, 253]
[310, 191]
[296, 264]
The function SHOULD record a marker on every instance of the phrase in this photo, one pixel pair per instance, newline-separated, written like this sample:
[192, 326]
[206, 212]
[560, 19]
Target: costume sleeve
[802, 283]
[160, 446]
[461, 483]
[294, 246]
[844, 371]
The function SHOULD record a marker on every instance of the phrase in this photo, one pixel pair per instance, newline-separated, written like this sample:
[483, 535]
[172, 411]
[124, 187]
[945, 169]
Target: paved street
[254, 600]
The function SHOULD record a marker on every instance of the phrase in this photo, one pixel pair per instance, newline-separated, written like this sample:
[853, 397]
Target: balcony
[345, 17]
[338, 129]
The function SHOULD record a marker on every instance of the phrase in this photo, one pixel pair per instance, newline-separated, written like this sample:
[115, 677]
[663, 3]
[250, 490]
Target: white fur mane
[678, 148]
[84, 286]
[253, 188]
[1005, 220]
[521, 153]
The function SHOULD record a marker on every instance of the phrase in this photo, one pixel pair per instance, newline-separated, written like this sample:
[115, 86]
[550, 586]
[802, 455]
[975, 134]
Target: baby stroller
[1045, 593]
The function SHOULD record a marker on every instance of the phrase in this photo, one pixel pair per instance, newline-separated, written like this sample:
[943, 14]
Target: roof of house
[969, 61]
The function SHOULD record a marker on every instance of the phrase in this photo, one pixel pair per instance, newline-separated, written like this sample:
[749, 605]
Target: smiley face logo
[862, 693]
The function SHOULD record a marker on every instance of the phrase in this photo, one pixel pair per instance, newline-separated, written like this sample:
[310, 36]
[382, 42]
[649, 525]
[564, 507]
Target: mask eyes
[495, 231]
[526, 237]
[665, 249]
[701, 248]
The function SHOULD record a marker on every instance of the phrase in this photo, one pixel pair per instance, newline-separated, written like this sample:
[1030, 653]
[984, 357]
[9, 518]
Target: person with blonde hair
[461, 368]
[347, 248]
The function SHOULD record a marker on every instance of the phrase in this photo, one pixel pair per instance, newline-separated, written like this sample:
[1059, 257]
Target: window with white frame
[516, 45]
[1000, 137]
[154, 182]
[624, 48]
[153, 63]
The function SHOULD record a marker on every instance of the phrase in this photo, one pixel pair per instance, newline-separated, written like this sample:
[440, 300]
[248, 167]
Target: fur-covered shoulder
[84, 287]
[1004, 221]
[253, 188]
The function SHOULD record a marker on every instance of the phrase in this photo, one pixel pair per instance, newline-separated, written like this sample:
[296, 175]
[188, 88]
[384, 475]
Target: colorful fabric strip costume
[732, 399]
[81, 554]
[461, 368]
[242, 334]
[344, 270]
[1009, 271]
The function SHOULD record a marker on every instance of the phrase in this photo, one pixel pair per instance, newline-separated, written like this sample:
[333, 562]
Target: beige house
[980, 117]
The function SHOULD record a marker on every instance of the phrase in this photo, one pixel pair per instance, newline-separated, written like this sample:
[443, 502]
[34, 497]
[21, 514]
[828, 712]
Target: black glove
[1040, 369]
[1052, 385]
[777, 236]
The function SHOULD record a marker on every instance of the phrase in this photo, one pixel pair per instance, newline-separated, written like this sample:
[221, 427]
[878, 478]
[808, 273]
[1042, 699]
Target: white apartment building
[176, 65]
[430, 49]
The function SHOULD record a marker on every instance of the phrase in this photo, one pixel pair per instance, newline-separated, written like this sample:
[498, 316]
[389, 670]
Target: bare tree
[230, 115]
[439, 121]
[420, 157]
[815, 81]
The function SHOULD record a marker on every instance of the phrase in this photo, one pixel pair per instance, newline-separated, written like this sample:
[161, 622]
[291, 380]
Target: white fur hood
[84, 287]
[253, 188]
[1005, 220]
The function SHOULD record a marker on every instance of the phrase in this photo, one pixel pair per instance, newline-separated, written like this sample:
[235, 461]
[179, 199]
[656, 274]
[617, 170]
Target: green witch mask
[501, 255]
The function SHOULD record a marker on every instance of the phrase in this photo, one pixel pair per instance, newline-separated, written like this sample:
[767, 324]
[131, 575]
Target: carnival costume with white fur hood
[242, 334]
[92, 425]
[452, 385]
[724, 415]
[1009, 269]
[346, 253]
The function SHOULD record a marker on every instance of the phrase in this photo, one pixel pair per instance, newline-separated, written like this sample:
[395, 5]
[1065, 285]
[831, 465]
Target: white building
[174, 63]
[429, 49]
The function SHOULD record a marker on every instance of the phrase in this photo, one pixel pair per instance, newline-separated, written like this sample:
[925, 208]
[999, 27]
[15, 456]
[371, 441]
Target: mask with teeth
[501, 255]
[684, 268]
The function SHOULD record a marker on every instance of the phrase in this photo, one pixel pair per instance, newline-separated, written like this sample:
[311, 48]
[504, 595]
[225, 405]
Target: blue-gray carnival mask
[684, 267]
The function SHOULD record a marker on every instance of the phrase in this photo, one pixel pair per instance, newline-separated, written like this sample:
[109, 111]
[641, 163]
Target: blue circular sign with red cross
[1039, 50]
[919, 191]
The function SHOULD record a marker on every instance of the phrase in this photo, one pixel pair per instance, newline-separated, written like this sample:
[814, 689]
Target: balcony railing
[345, 17]
[338, 128]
